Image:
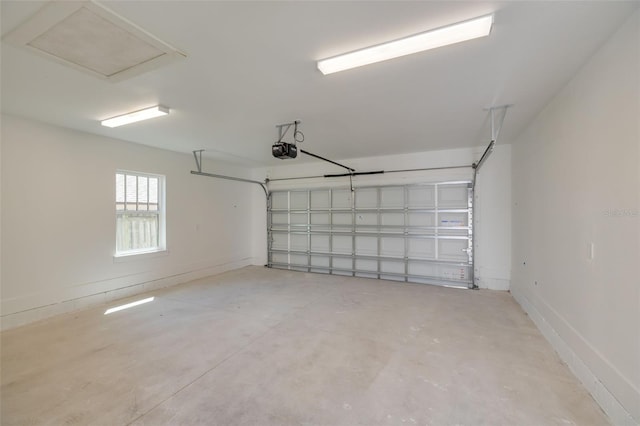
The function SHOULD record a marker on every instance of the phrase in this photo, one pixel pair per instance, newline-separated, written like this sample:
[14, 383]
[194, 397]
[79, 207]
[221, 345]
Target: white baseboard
[146, 283]
[492, 278]
[617, 413]
[259, 261]
[493, 283]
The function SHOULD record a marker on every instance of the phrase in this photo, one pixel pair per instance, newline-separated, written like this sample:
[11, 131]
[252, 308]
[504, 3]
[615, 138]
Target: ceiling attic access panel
[90, 38]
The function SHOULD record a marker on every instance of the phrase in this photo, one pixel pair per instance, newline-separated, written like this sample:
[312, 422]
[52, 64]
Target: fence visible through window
[138, 212]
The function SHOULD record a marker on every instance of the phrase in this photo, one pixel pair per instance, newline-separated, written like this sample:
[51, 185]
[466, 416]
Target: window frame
[161, 248]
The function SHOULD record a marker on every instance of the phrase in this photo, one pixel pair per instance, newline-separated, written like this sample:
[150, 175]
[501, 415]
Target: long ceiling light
[444, 36]
[132, 117]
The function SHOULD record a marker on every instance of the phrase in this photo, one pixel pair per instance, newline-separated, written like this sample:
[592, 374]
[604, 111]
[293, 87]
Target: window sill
[129, 257]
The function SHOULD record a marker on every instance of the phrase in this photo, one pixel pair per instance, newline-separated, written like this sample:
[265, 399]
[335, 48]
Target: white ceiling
[251, 65]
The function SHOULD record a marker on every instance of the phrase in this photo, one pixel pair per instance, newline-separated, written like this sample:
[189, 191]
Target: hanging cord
[297, 133]
[298, 136]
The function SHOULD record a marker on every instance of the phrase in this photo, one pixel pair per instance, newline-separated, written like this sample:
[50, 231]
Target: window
[140, 224]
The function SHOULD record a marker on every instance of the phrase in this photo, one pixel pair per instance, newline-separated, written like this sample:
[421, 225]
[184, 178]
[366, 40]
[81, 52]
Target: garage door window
[139, 205]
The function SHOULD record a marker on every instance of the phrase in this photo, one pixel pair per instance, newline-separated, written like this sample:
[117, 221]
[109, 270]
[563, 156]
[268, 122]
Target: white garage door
[418, 233]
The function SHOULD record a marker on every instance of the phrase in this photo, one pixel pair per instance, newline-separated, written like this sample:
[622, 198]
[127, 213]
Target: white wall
[576, 182]
[493, 220]
[493, 212]
[58, 223]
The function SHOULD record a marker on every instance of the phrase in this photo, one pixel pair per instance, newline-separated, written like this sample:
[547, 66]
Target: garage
[319, 213]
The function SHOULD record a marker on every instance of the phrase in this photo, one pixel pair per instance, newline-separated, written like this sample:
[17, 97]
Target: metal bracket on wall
[197, 155]
[497, 115]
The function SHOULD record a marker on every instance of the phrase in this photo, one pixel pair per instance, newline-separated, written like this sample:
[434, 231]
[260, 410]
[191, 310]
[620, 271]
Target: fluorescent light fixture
[128, 305]
[444, 36]
[132, 117]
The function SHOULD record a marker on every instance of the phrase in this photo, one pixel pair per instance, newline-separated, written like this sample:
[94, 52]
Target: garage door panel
[299, 260]
[341, 199]
[298, 242]
[391, 247]
[449, 273]
[299, 200]
[280, 200]
[391, 266]
[342, 244]
[343, 266]
[367, 265]
[366, 198]
[367, 219]
[422, 219]
[454, 224]
[391, 277]
[280, 258]
[452, 196]
[422, 196]
[280, 219]
[299, 218]
[320, 199]
[423, 269]
[280, 241]
[320, 243]
[366, 275]
[392, 198]
[455, 250]
[463, 233]
[320, 218]
[367, 246]
[341, 218]
[322, 264]
[423, 248]
[453, 219]
[417, 233]
[391, 219]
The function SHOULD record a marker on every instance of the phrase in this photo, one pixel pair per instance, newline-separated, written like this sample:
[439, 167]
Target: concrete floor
[261, 347]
